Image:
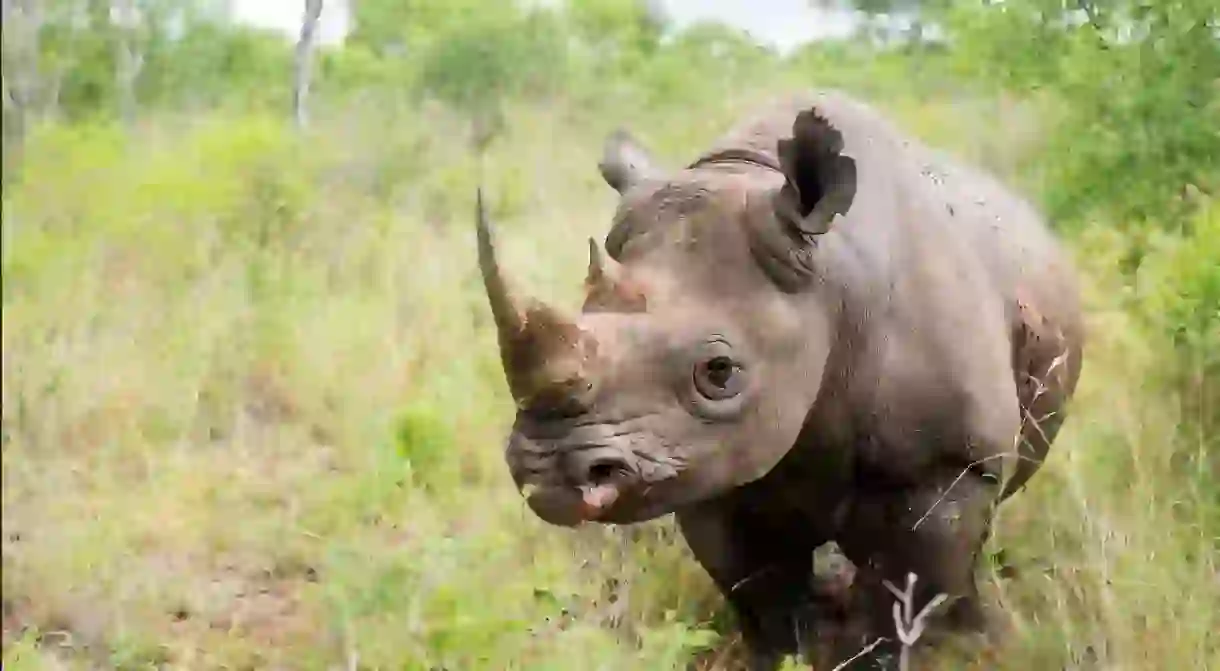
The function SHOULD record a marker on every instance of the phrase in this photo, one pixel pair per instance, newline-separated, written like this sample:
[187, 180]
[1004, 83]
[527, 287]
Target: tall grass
[253, 418]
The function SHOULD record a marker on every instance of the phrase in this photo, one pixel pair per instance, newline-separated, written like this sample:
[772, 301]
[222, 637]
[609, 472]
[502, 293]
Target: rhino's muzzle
[594, 486]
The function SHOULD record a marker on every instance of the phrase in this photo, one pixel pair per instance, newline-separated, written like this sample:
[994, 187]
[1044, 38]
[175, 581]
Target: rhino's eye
[718, 378]
[719, 370]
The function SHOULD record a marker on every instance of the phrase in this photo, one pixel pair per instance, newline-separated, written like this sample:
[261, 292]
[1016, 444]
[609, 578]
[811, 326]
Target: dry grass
[252, 419]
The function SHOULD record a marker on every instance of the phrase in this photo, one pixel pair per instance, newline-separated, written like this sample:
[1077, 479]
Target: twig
[871, 646]
[908, 625]
[958, 479]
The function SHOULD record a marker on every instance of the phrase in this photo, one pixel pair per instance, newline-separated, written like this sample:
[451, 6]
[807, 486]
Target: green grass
[253, 418]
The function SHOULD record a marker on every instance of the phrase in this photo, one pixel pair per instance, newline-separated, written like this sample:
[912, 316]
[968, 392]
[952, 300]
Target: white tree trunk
[22, 22]
[304, 61]
[129, 61]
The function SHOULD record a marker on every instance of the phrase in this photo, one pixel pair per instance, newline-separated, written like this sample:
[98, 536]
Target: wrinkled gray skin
[819, 331]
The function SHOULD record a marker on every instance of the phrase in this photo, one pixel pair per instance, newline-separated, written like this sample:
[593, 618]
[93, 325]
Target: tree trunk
[129, 60]
[304, 61]
[21, 77]
[22, 21]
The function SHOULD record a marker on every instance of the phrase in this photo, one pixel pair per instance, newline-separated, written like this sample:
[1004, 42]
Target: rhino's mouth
[592, 474]
[569, 506]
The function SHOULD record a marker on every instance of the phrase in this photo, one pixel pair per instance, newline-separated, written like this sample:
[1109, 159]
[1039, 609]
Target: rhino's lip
[620, 503]
[570, 506]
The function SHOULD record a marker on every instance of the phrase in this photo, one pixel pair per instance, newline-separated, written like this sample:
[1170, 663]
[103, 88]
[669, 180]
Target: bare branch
[958, 479]
[867, 649]
[909, 626]
[1091, 12]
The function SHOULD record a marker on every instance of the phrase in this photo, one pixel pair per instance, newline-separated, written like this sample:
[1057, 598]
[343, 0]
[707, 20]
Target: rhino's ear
[821, 181]
[820, 184]
[625, 162]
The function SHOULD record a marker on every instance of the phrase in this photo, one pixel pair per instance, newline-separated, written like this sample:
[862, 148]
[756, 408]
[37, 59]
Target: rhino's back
[919, 207]
[1011, 236]
[941, 267]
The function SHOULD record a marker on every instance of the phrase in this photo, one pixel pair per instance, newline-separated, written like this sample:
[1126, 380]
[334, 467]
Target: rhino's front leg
[936, 532]
[764, 569]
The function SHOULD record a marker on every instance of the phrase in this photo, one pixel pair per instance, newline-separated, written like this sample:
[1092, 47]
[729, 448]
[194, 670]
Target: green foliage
[403, 28]
[183, 58]
[1134, 125]
[471, 56]
[704, 61]
[85, 52]
[1187, 284]
[492, 56]
[618, 37]
[422, 437]
[211, 64]
[1178, 289]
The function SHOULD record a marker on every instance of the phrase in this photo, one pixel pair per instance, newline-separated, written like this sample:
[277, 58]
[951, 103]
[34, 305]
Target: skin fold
[820, 330]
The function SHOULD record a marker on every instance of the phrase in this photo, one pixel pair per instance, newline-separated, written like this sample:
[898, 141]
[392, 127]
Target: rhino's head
[702, 341]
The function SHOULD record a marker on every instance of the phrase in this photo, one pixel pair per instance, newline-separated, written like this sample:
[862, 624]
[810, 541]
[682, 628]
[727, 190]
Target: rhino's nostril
[596, 466]
[604, 470]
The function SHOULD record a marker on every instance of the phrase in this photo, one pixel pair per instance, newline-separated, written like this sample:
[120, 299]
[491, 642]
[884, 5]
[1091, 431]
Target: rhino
[819, 331]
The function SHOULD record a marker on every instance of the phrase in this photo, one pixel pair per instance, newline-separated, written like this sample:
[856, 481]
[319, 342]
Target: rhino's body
[881, 364]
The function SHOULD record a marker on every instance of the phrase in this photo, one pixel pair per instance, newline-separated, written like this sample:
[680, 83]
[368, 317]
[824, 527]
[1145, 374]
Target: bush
[1178, 289]
[474, 65]
[1134, 127]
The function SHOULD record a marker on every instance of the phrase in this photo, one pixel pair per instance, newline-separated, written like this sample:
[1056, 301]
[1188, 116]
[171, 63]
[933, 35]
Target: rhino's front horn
[545, 355]
[504, 308]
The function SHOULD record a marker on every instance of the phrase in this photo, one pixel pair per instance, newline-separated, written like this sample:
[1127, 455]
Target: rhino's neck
[738, 155]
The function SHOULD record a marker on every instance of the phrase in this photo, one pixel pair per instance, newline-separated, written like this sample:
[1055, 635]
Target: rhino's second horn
[606, 290]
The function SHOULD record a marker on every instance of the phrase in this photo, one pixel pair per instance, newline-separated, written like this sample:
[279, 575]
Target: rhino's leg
[763, 566]
[936, 532]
